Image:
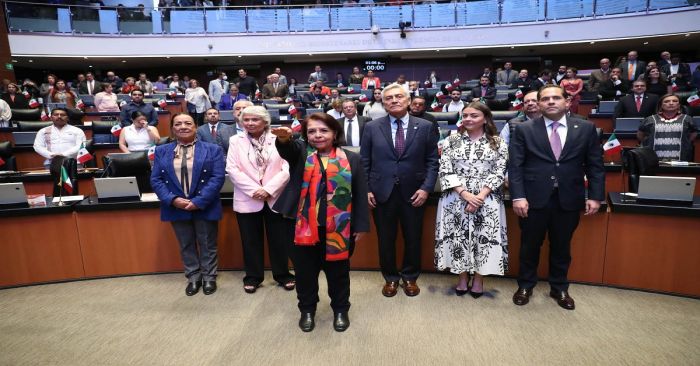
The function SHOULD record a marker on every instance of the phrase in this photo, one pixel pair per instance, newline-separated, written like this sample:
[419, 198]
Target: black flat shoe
[209, 287]
[192, 288]
[475, 295]
[306, 322]
[341, 322]
[461, 292]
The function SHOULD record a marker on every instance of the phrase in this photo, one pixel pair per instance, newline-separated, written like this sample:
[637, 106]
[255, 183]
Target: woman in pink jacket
[259, 175]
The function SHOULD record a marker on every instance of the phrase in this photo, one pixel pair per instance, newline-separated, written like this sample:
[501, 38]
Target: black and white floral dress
[471, 242]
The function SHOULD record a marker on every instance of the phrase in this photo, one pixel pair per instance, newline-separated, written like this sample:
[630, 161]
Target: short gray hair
[259, 111]
[395, 86]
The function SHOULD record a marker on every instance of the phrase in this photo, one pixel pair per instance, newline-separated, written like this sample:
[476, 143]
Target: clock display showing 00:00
[380, 67]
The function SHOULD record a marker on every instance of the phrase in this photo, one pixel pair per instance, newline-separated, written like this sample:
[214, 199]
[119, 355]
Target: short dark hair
[552, 86]
[327, 120]
[137, 114]
[59, 109]
[137, 90]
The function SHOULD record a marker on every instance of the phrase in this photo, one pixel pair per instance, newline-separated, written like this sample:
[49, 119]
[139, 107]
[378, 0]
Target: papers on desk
[149, 197]
[37, 172]
[629, 194]
[68, 198]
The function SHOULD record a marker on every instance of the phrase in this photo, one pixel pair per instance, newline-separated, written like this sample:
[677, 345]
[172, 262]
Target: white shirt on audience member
[54, 141]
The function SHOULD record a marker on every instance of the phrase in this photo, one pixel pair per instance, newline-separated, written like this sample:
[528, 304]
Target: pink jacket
[241, 169]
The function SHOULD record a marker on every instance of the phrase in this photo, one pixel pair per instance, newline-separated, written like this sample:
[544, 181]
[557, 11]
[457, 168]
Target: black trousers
[280, 233]
[387, 216]
[559, 225]
[308, 263]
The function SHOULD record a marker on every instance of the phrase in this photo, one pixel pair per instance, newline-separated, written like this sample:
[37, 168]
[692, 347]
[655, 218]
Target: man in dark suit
[638, 103]
[489, 74]
[522, 82]
[549, 158]
[215, 132]
[484, 90]
[506, 76]
[544, 79]
[678, 72]
[418, 107]
[415, 91]
[632, 68]
[275, 90]
[399, 154]
[613, 88]
[353, 125]
[89, 86]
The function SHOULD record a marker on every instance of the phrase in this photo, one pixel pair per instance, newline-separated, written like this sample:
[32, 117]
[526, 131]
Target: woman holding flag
[327, 198]
[138, 136]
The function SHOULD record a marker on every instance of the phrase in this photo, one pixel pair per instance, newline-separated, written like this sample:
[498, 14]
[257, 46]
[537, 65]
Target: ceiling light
[90, 66]
[85, 58]
[123, 61]
[14, 60]
[239, 56]
[592, 42]
[31, 60]
[646, 43]
[512, 47]
[687, 34]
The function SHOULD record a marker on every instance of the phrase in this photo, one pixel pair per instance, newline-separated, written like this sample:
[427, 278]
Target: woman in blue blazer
[187, 183]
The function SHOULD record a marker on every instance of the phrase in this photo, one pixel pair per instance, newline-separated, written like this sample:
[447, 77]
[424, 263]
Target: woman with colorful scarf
[327, 196]
[259, 176]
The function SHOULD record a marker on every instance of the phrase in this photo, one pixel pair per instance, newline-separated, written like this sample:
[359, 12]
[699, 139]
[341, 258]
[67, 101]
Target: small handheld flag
[33, 103]
[162, 103]
[64, 181]
[517, 104]
[44, 116]
[152, 152]
[694, 100]
[83, 155]
[79, 104]
[519, 94]
[612, 145]
[292, 110]
[296, 125]
[116, 130]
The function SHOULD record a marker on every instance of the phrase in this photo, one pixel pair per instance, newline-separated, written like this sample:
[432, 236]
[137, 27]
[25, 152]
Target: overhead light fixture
[512, 47]
[14, 60]
[167, 56]
[437, 50]
[646, 43]
[31, 60]
[85, 57]
[123, 61]
[687, 34]
[90, 66]
[592, 42]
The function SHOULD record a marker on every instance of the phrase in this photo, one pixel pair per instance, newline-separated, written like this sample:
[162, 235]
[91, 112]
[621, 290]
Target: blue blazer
[207, 178]
[226, 103]
[533, 169]
[416, 168]
[223, 135]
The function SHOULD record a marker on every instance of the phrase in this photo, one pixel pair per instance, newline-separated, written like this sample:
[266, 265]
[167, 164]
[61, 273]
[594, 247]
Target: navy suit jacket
[223, 135]
[207, 178]
[533, 168]
[416, 168]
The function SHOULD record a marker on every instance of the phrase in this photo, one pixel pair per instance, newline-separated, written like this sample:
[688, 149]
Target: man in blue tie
[550, 157]
[399, 154]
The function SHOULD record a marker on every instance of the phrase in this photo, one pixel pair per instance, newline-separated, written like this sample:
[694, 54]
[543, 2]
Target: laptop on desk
[627, 125]
[666, 190]
[24, 138]
[606, 106]
[120, 189]
[13, 195]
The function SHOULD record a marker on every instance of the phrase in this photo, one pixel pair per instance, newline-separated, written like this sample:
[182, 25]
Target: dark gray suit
[533, 171]
[223, 135]
[393, 179]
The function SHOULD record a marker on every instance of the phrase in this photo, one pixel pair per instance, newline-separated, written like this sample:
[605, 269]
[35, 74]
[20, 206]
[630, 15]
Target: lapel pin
[575, 126]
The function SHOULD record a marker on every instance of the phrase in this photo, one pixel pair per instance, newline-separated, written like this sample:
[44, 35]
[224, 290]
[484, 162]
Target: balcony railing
[27, 17]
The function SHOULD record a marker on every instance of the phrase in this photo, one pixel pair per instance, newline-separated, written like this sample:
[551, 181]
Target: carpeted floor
[148, 320]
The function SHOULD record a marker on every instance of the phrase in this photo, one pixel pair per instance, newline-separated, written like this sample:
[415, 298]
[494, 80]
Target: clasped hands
[474, 201]
[184, 204]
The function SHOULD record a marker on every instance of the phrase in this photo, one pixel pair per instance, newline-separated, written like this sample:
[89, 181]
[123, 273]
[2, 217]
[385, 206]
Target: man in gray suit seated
[215, 132]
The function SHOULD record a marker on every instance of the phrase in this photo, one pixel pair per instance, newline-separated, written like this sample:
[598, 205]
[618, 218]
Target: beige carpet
[147, 320]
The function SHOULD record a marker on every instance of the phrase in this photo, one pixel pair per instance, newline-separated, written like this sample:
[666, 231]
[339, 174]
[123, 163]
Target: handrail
[52, 18]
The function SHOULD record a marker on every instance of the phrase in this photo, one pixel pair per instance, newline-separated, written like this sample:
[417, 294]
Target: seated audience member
[651, 64]
[186, 81]
[401, 80]
[314, 99]
[89, 86]
[545, 78]
[456, 104]
[275, 90]
[5, 114]
[415, 91]
[192, 206]
[318, 75]
[197, 101]
[138, 136]
[418, 107]
[484, 90]
[560, 75]
[353, 125]
[375, 108]
[113, 79]
[137, 104]
[522, 82]
[356, 77]
[161, 84]
[696, 78]
[506, 76]
[573, 85]
[655, 83]
[14, 98]
[339, 80]
[229, 99]
[614, 88]
[61, 94]
[106, 100]
[259, 176]
[370, 81]
[75, 84]
[599, 76]
[144, 84]
[488, 74]
[129, 85]
[59, 139]
[531, 111]
[665, 59]
[292, 85]
[326, 91]
[336, 110]
[639, 103]
[214, 132]
[669, 132]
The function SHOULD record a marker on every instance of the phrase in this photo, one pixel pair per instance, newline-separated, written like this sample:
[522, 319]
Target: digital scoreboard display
[374, 65]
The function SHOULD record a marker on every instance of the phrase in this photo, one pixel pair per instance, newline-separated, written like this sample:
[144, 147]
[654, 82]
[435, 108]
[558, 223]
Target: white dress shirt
[453, 107]
[561, 130]
[355, 130]
[65, 141]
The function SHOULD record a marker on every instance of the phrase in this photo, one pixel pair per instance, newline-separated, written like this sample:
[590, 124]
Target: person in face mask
[217, 88]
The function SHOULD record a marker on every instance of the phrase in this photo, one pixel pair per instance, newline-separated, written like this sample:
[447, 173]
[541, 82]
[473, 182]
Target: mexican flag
[517, 104]
[33, 103]
[435, 106]
[449, 86]
[519, 94]
[363, 98]
[152, 152]
[44, 116]
[162, 103]
[116, 130]
[292, 110]
[2, 161]
[351, 90]
[296, 125]
[694, 100]
[79, 104]
[456, 81]
[83, 155]
[64, 181]
[612, 145]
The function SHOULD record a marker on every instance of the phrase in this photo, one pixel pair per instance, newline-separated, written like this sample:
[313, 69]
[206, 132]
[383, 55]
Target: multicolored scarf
[339, 204]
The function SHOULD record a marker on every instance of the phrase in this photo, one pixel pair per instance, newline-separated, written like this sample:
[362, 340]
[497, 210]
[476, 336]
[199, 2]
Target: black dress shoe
[192, 288]
[522, 296]
[563, 299]
[475, 295]
[341, 322]
[306, 322]
[459, 292]
[209, 287]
